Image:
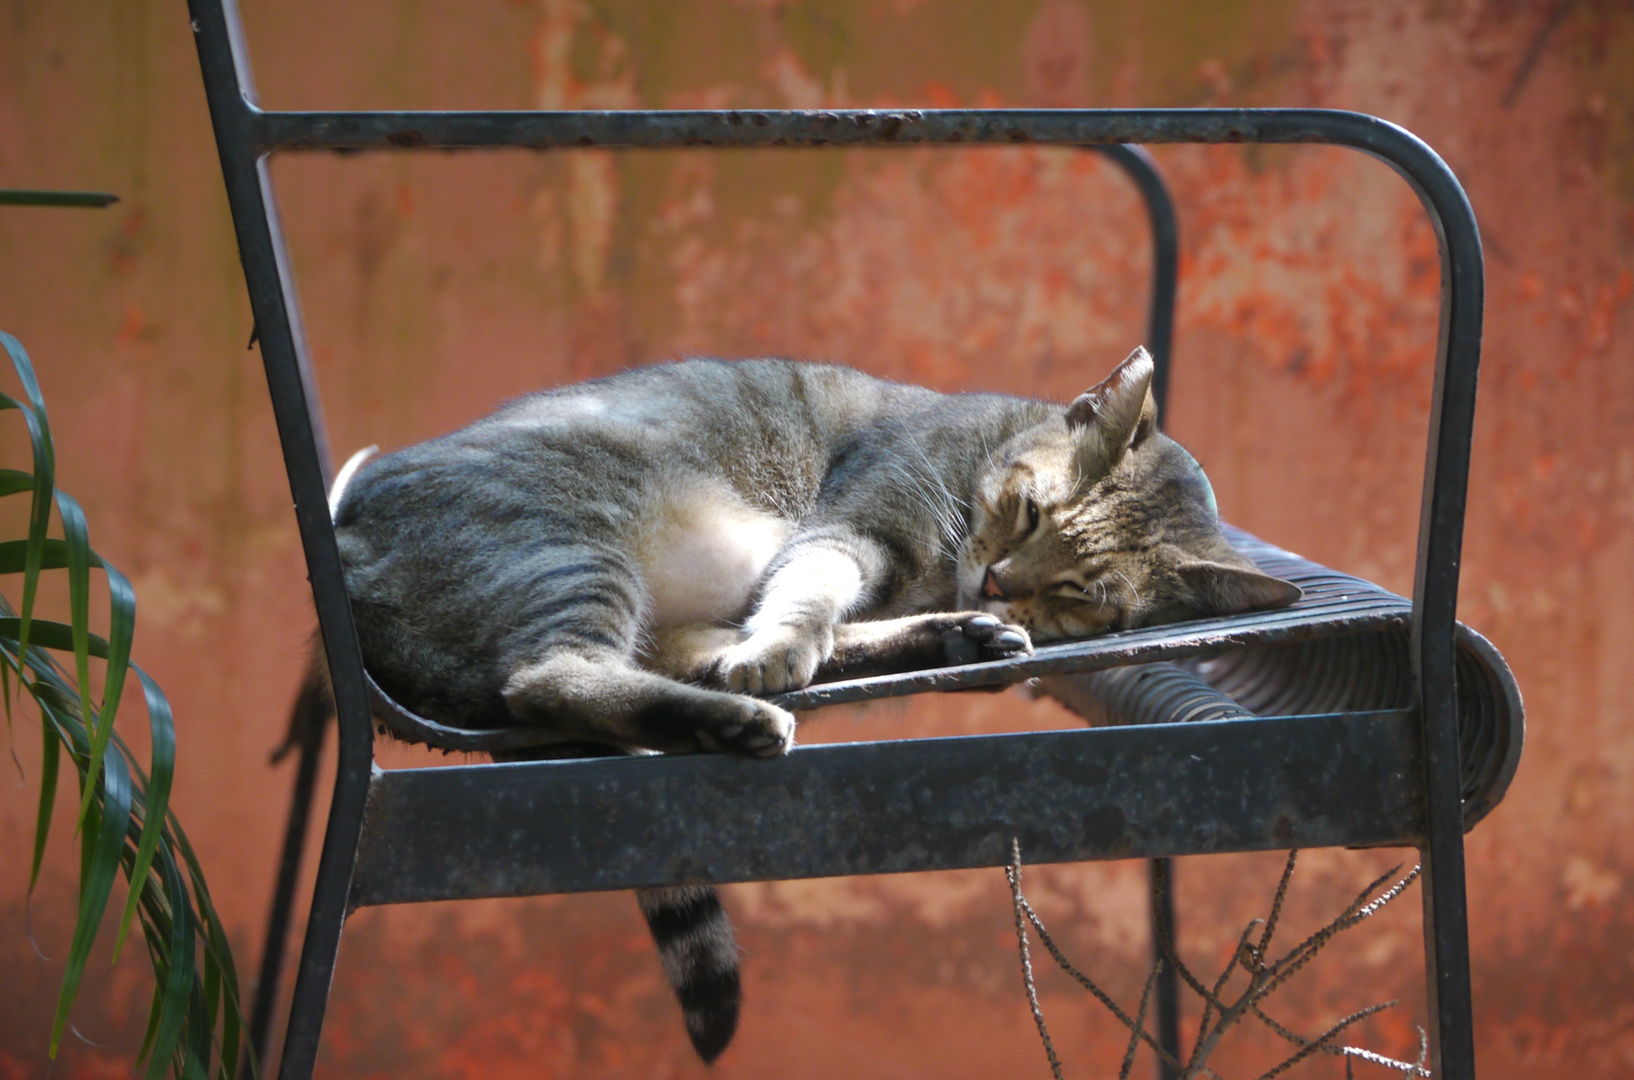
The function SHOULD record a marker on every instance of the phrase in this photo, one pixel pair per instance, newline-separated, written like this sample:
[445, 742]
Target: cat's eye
[1027, 516]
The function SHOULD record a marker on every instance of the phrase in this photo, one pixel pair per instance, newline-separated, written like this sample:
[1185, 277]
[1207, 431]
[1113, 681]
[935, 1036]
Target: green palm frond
[124, 823]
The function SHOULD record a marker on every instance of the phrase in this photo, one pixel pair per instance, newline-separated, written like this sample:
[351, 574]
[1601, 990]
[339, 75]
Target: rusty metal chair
[1383, 721]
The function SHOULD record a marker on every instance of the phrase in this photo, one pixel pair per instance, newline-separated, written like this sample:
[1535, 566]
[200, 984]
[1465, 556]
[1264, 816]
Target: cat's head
[1098, 521]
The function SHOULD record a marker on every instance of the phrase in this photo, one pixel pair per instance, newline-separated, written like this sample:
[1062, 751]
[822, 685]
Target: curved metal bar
[1443, 198]
[1137, 163]
[411, 727]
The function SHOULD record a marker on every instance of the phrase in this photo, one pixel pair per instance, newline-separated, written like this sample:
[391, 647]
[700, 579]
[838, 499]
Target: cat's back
[611, 454]
[716, 403]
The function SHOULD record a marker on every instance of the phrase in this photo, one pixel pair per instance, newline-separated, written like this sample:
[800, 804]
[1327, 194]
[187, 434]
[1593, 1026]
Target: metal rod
[676, 128]
[1435, 600]
[283, 902]
[21, 197]
[1165, 226]
[890, 807]
[223, 61]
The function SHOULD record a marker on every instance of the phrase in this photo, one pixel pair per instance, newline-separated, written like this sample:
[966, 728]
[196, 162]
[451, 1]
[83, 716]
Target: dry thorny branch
[1265, 976]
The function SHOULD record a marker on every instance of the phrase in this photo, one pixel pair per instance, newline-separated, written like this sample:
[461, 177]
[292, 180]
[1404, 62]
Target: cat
[634, 561]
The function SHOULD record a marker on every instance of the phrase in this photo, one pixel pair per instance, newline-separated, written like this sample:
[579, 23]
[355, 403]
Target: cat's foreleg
[813, 584]
[940, 639]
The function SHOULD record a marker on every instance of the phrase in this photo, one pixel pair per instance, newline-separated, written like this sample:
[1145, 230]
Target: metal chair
[1389, 723]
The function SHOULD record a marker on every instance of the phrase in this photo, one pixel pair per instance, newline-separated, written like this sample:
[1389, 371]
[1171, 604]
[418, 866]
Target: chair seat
[1336, 765]
[1342, 647]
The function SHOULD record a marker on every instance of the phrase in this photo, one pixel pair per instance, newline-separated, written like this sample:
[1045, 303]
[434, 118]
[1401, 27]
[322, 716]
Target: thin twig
[1276, 905]
[1140, 1021]
[1407, 1067]
[1013, 872]
[1208, 1039]
[1083, 980]
[1292, 1036]
[1323, 1039]
[1354, 913]
[1165, 937]
[1089, 984]
[1348, 1051]
[1219, 1016]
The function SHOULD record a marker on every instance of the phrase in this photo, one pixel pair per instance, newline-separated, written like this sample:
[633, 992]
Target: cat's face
[1103, 523]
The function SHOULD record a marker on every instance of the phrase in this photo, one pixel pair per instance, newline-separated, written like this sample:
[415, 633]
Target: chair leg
[330, 905]
[255, 1058]
[1446, 959]
[1168, 983]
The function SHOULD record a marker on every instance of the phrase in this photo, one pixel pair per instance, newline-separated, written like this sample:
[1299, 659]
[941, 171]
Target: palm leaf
[125, 821]
[158, 797]
[15, 481]
[45, 467]
[96, 881]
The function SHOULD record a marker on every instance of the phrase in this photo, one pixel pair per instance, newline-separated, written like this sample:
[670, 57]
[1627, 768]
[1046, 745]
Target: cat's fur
[628, 561]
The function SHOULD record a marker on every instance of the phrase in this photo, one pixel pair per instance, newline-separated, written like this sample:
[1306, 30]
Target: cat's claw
[978, 637]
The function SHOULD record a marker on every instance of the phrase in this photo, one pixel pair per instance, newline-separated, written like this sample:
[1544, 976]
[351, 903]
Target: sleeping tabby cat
[632, 561]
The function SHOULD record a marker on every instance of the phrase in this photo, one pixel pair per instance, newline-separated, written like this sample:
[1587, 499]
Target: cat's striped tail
[699, 954]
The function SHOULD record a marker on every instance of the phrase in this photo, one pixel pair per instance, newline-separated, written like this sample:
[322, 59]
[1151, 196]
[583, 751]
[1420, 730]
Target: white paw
[772, 661]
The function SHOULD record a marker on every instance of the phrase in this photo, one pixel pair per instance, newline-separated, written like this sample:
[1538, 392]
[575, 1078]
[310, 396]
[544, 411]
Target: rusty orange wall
[437, 286]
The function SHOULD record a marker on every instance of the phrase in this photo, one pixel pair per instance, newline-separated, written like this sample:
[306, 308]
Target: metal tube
[229, 92]
[283, 904]
[1138, 164]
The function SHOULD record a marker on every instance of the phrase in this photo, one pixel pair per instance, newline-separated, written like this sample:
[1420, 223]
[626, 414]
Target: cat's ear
[1120, 408]
[1223, 589]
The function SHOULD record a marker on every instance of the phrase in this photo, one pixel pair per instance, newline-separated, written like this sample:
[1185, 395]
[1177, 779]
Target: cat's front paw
[774, 661]
[974, 637]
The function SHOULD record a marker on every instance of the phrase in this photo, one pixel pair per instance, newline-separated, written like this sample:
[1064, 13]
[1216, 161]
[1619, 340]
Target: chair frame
[1429, 814]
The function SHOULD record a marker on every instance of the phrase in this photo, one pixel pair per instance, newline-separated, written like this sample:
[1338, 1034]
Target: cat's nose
[991, 587]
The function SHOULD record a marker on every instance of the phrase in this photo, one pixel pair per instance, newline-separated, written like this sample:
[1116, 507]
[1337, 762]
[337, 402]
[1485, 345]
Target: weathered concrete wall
[438, 286]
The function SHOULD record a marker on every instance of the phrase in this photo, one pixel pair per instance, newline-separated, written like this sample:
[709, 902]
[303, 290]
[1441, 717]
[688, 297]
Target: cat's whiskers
[926, 490]
[1131, 585]
[951, 523]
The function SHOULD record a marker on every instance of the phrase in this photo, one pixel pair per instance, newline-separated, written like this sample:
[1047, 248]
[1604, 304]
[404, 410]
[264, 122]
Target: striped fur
[699, 954]
[634, 560]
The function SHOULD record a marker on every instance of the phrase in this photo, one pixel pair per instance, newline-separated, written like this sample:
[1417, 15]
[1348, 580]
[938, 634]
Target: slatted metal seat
[1379, 719]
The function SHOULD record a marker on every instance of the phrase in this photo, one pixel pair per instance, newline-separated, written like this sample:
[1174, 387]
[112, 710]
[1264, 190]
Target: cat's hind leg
[577, 621]
[601, 696]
